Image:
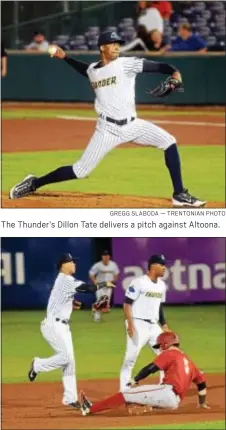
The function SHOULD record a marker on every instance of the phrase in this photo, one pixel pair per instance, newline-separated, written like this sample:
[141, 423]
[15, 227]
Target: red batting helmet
[167, 339]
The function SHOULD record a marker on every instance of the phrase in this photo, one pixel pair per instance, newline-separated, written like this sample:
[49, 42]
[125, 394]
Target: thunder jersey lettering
[114, 86]
[60, 302]
[147, 297]
[104, 272]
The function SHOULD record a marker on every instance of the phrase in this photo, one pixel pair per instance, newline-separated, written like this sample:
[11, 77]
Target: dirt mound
[85, 200]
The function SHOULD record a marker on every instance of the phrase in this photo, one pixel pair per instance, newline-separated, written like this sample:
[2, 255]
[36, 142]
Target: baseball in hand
[52, 50]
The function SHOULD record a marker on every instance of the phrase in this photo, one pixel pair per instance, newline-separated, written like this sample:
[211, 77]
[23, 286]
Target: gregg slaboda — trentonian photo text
[155, 71]
[113, 332]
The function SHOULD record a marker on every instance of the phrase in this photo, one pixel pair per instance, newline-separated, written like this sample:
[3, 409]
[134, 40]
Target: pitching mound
[81, 200]
[38, 406]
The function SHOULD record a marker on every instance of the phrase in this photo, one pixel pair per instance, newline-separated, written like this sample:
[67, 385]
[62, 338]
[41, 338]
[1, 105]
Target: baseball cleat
[85, 404]
[32, 374]
[184, 199]
[23, 188]
[75, 405]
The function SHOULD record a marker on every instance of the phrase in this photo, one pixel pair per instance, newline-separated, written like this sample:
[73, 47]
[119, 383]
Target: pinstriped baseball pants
[108, 136]
[58, 336]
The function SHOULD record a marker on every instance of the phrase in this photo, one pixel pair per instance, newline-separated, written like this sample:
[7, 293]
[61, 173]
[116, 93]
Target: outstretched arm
[79, 66]
[147, 370]
[91, 288]
[164, 68]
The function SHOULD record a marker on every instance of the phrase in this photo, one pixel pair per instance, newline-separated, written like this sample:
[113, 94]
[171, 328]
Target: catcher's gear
[107, 284]
[166, 339]
[166, 87]
[102, 304]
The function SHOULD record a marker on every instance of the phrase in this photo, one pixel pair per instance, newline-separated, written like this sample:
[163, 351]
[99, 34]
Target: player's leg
[109, 294]
[158, 396]
[133, 347]
[146, 133]
[102, 142]
[155, 331]
[69, 376]
[58, 336]
[97, 314]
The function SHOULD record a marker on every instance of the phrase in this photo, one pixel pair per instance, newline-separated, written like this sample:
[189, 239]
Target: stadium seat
[94, 29]
[211, 41]
[128, 21]
[111, 28]
[168, 31]
[199, 6]
[204, 32]
[206, 14]
[217, 6]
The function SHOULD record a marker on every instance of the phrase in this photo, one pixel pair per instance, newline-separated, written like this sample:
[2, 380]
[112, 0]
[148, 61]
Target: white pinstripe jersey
[62, 296]
[104, 272]
[147, 297]
[114, 86]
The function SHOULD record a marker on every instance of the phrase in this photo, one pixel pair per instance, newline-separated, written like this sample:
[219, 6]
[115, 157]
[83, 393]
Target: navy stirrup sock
[172, 160]
[64, 173]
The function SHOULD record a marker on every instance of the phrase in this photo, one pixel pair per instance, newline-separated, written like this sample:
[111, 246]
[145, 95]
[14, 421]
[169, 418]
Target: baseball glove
[102, 304]
[77, 305]
[166, 87]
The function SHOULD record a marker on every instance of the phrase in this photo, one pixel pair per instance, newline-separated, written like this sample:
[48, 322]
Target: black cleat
[85, 404]
[184, 199]
[23, 188]
[75, 405]
[32, 374]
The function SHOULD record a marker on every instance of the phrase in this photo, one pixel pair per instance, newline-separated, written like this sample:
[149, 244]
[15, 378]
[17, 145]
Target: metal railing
[72, 22]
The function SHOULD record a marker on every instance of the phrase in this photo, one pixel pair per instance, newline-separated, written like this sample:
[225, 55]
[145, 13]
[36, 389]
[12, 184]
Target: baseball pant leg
[155, 331]
[100, 144]
[159, 396]
[58, 336]
[148, 134]
[133, 348]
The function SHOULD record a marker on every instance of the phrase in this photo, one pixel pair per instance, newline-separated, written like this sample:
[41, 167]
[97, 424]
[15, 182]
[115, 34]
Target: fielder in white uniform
[56, 331]
[113, 81]
[144, 314]
[103, 271]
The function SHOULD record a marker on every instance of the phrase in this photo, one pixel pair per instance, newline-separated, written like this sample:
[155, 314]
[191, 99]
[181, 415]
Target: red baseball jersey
[179, 370]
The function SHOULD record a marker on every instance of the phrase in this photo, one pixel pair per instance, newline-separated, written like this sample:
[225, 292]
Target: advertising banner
[28, 268]
[195, 269]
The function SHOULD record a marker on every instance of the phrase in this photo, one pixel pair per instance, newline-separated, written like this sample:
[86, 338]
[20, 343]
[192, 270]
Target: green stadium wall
[36, 77]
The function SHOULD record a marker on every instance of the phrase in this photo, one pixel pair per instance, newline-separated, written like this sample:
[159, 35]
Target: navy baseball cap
[65, 258]
[157, 259]
[106, 252]
[109, 37]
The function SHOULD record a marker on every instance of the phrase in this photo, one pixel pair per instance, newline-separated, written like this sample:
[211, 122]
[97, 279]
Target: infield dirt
[38, 406]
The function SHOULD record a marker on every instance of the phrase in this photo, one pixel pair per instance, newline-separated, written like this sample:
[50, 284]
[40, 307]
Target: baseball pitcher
[179, 371]
[145, 320]
[103, 271]
[113, 81]
[55, 328]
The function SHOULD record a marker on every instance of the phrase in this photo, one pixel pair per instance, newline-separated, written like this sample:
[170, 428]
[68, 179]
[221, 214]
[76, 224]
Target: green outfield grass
[134, 171]
[205, 425]
[201, 329]
[53, 113]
